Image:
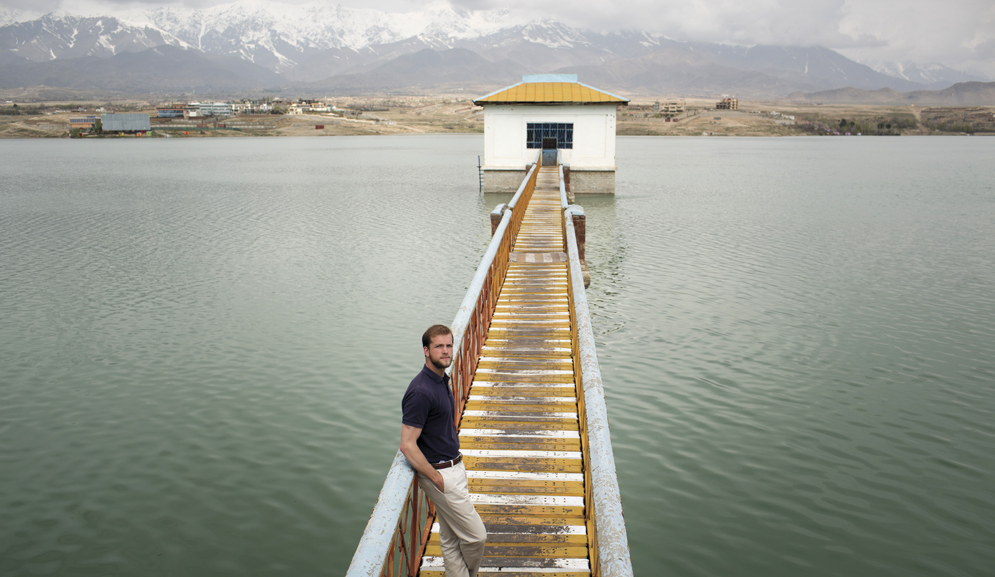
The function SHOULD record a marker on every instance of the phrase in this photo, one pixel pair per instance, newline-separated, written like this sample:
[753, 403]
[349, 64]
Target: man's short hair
[432, 332]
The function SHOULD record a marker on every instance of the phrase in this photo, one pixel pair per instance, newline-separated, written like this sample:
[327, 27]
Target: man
[430, 443]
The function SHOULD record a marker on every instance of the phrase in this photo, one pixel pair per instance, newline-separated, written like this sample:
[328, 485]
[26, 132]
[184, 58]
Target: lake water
[203, 344]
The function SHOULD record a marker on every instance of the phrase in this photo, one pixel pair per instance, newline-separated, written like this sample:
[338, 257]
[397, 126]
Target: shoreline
[440, 115]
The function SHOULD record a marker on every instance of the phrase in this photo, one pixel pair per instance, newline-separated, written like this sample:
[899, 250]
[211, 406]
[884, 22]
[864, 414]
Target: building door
[549, 151]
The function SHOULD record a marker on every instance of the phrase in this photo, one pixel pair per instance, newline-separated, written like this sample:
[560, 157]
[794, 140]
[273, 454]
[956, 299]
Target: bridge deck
[520, 434]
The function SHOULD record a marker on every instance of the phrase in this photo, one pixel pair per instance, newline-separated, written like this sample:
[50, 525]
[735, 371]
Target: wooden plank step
[523, 455]
[429, 562]
[520, 550]
[487, 423]
[490, 419]
[526, 500]
[517, 538]
[520, 433]
[530, 510]
[558, 405]
[526, 480]
[526, 391]
[492, 361]
[535, 524]
[559, 344]
[548, 365]
[528, 352]
[504, 572]
[507, 376]
[484, 444]
[529, 491]
[524, 465]
[526, 527]
[524, 388]
[532, 407]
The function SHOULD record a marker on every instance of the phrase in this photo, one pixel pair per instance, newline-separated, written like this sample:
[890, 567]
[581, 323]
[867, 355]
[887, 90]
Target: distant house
[125, 123]
[669, 109]
[174, 111]
[550, 110]
[295, 109]
[216, 109]
[727, 104]
[82, 122]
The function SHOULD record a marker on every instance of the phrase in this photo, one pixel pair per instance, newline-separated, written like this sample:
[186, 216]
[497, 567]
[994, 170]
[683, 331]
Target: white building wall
[593, 136]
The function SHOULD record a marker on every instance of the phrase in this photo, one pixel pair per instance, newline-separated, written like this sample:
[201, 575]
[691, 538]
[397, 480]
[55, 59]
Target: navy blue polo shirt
[428, 405]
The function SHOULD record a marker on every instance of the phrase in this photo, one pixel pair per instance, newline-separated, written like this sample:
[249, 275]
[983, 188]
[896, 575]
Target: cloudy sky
[958, 33]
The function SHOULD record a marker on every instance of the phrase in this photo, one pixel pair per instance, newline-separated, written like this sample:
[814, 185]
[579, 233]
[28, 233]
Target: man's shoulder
[419, 386]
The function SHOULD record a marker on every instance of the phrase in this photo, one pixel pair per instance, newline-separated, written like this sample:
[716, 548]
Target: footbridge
[530, 409]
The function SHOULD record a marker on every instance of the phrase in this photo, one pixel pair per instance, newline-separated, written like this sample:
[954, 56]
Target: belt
[447, 464]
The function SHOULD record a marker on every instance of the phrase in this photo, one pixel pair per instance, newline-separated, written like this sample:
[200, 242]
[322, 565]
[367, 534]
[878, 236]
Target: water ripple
[201, 368]
[786, 359]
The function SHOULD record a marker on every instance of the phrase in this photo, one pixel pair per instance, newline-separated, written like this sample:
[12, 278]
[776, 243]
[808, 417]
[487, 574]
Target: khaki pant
[460, 529]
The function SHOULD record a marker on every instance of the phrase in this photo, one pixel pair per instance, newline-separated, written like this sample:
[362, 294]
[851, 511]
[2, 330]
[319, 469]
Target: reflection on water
[205, 342]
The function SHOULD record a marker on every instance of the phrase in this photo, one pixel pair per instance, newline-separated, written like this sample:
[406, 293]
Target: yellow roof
[550, 93]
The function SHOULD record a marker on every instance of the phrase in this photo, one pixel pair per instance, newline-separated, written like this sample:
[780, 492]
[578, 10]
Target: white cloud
[958, 33]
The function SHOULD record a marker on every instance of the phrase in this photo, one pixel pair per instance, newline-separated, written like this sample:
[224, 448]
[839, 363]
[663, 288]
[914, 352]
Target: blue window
[562, 132]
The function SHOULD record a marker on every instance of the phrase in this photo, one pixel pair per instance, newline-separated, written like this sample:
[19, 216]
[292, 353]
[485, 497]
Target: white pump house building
[550, 112]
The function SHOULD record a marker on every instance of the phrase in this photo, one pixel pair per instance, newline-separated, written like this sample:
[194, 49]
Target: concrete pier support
[496, 215]
[577, 180]
[592, 181]
[580, 232]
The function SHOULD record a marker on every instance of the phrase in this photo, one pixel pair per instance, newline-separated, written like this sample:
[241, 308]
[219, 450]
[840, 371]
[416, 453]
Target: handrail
[475, 312]
[520, 202]
[398, 529]
[610, 555]
[523, 186]
[377, 547]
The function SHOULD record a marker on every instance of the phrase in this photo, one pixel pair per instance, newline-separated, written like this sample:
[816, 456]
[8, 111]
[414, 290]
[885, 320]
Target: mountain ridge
[960, 94]
[310, 45]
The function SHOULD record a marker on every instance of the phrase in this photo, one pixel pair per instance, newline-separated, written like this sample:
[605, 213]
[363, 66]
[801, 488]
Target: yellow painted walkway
[520, 435]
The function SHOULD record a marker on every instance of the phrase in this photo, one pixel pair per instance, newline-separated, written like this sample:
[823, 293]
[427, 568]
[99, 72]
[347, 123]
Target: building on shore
[672, 108]
[216, 109]
[727, 104]
[125, 123]
[82, 122]
[550, 110]
[172, 111]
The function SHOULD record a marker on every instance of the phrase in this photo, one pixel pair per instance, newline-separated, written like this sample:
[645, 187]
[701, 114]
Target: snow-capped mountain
[930, 75]
[277, 36]
[68, 36]
[314, 43]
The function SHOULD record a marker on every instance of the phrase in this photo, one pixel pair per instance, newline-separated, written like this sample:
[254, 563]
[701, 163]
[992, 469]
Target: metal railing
[608, 540]
[396, 534]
